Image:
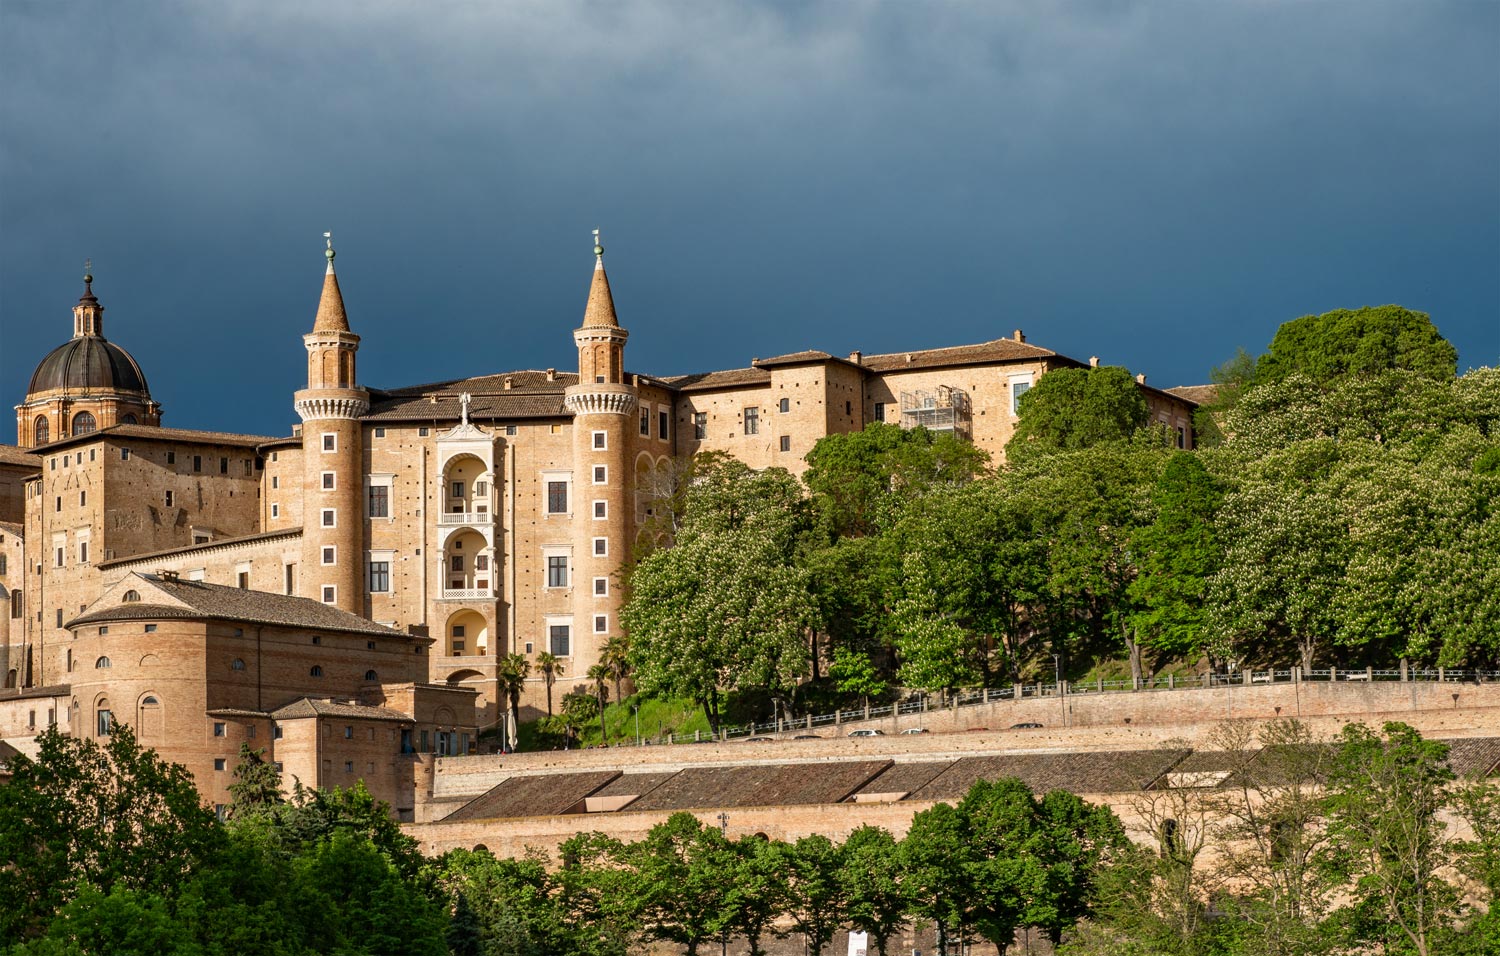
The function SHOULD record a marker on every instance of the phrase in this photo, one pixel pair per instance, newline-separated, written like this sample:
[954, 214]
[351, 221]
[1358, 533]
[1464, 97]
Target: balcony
[468, 594]
[456, 518]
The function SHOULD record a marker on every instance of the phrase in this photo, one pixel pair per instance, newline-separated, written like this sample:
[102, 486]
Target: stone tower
[85, 384]
[333, 484]
[603, 406]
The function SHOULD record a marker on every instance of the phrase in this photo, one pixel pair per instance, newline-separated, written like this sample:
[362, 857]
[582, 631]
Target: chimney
[856, 357]
[1020, 336]
[166, 575]
[1093, 361]
[1141, 379]
[908, 358]
[551, 374]
[509, 382]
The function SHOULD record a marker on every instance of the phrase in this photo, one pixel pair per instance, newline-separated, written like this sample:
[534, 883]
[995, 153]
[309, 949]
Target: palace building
[344, 596]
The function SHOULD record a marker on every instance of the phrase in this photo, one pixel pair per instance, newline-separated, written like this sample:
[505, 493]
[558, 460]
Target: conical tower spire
[331, 316]
[600, 312]
[88, 314]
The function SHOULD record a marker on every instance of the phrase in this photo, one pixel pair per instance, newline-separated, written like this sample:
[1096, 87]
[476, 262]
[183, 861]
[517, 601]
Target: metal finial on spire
[598, 249]
[88, 270]
[329, 253]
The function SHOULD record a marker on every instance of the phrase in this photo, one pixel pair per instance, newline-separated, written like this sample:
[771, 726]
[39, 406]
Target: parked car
[1029, 725]
[808, 737]
[977, 729]
[759, 740]
[867, 733]
[915, 730]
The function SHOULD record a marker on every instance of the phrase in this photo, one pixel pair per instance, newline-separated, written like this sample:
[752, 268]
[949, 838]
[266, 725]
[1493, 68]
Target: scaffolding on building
[943, 409]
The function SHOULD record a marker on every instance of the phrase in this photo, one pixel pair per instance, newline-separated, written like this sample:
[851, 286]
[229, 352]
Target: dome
[88, 363]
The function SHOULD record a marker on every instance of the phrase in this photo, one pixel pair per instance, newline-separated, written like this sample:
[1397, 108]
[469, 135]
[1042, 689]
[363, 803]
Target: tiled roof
[216, 543]
[154, 433]
[1197, 394]
[704, 381]
[1117, 772]
[760, 785]
[13, 529]
[13, 455]
[535, 796]
[304, 707]
[803, 357]
[906, 777]
[531, 395]
[1474, 756]
[238, 604]
[998, 350]
[634, 784]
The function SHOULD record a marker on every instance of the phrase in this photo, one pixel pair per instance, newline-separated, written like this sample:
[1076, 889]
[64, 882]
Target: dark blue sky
[1153, 183]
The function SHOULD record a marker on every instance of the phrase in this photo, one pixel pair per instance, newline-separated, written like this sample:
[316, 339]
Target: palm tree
[512, 678]
[549, 666]
[614, 655]
[599, 673]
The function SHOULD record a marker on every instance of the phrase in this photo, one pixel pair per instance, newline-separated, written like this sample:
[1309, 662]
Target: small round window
[130, 597]
[236, 665]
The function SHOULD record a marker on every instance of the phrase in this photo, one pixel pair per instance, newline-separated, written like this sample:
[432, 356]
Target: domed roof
[88, 363]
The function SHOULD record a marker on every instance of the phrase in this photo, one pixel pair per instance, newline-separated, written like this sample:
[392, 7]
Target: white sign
[859, 944]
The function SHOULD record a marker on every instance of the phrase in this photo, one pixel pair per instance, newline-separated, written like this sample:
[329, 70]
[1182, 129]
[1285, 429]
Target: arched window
[84, 424]
[15, 604]
[149, 702]
[130, 597]
[10, 677]
[371, 675]
[127, 420]
[105, 719]
[101, 663]
[236, 665]
[41, 432]
[317, 671]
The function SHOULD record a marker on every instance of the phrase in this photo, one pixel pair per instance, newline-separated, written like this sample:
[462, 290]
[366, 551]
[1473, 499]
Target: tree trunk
[549, 696]
[1307, 646]
[815, 674]
[1133, 648]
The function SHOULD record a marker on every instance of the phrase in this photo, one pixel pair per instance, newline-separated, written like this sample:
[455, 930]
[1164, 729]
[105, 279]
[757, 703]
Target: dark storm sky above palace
[1152, 183]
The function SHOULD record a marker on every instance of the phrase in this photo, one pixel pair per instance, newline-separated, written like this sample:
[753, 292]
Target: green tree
[757, 889]
[874, 885]
[1230, 381]
[615, 655]
[1384, 793]
[101, 814]
[814, 892]
[598, 674]
[257, 784]
[1175, 555]
[1073, 408]
[680, 869]
[1367, 340]
[940, 860]
[349, 897]
[511, 676]
[854, 673]
[549, 666]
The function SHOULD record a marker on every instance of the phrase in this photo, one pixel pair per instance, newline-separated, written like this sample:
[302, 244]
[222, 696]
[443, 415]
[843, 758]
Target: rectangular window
[422, 432]
[218, 763]
[168, 499]
[243, 579]
[150, 628]
[275, 511]
[646, 422]
[275, 481]
[557, 571]
[601, 547]
[752, 421]
[330, 594]
[348, 732]
[1018, 386]
[601, 510]
[330, 554]
[601, 440]
[83, 552]
[83, 498]
[59, 557]
[124, 454]
[557, 636]
[2, 564]
[481, 562]
[380, 433]
[329, 519]
[289, 578]
[456, 489]
[510, 430]
[171, 457]
[786, 442]
[220, 730]
[601, 474]
[380, 501]
[601, 623]
[663, 422]
[848, 408]
[456, 563]
[601, 587]
[700, 425]
[197, 462]
[481, 488]
[1181, 437]
[223, 466]
[784, 406]
[59, 617]
[557, 497]
[880, 411]
[330, 441]
[106, 723]
[327, 481]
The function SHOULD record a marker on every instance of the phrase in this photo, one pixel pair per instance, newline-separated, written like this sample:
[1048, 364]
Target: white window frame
[549, 476]
[1028, 380]
[601, 586]
[329, 447]
[599, 440]
[275, 510]
[330, 593]
[600, 547]
[599, 474]
[601, 509]
[558, 620]
[601, 623]
[564, 551]
[328, 481]
[324, 513]
[387, 481]
[328, 555]
[389, 557]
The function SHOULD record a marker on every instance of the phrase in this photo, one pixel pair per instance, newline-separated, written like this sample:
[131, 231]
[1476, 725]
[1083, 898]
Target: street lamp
[636, 710]
[1057, 682]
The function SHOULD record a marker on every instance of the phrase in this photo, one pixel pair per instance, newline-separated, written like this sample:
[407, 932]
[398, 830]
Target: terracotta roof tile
[13, 455]
[1113, 772]
[531, 395]
[760, 785]
[533, 796]
[998, 350]
[154, 433]
[638, 784]
[906, 777]
[189, 548]
[1197, 394]
[1474, 756]
[218, 602]
[304, 707]
[13, 529]
[704, 381]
